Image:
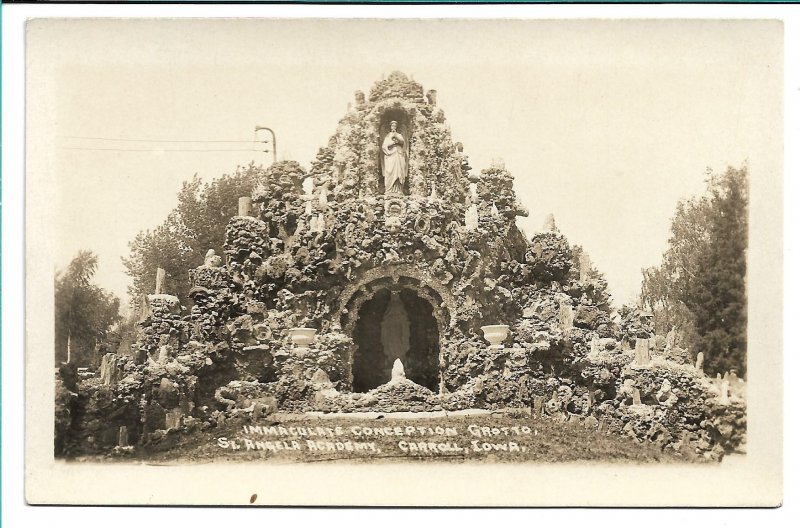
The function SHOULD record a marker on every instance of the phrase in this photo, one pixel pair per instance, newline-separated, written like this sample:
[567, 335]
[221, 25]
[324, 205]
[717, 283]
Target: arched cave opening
[390, 325]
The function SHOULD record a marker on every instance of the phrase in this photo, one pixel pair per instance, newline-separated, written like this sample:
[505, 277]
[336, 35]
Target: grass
[487, 438]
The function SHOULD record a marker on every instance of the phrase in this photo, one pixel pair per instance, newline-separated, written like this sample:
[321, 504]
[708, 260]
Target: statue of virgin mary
[394, 161]
[395, 330]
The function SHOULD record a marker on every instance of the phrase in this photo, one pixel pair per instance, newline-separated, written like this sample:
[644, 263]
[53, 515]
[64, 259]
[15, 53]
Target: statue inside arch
[395, 330]
[394, 160]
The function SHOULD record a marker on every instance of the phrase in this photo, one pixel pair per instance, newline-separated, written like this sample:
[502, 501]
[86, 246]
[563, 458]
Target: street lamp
[274, 151]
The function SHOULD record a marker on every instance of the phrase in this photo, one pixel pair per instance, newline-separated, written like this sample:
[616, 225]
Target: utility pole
[274, 148]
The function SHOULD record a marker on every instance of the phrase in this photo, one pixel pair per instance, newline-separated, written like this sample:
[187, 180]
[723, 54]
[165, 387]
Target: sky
[605, 124]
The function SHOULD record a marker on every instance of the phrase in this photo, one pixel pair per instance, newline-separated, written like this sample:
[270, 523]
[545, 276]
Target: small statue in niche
[394, 212]
[394, 161]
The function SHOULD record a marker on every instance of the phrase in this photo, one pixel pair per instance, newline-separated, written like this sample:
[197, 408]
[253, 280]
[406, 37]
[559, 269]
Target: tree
[700, 286]
[196, 225]
[84, 313]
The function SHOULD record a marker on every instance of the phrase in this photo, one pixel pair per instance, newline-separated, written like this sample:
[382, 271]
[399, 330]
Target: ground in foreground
[485, 438]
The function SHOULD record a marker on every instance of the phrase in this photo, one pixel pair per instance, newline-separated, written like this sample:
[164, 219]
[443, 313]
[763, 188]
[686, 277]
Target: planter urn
[301, 338]
[495, 335]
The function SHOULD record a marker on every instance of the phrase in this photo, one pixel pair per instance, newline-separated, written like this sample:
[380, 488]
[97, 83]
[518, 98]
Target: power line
[155, 149]
[159, 140]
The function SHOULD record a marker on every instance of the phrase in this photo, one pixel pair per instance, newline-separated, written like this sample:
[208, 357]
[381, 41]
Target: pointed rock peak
[550, 224]
[397, 85]
[320, 377]
[498, 164]
[398, 76]
[212, 259]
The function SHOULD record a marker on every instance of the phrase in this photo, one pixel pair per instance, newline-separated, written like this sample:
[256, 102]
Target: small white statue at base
[398, 372]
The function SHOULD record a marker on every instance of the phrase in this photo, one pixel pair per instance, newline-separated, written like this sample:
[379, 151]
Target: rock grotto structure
[336, 293]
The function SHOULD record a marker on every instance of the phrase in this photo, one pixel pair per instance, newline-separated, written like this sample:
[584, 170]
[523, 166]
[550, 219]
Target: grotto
[391, 276]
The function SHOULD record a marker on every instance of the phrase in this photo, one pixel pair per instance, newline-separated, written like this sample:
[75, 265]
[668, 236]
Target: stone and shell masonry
[294, 259]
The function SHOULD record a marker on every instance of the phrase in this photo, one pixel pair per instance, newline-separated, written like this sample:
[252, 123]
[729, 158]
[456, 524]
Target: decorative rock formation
[164, 354]
[642, 353]
[245, 206]
[471, 218]
[431, 96]
[111, 369]
[538, 406]
[550, 224]
[212, 260]
[293, 318]
[566, 317]
[360, 98]
[724, 397]
[585, 267]
[174, 419]
[671, 339]
[160, 278]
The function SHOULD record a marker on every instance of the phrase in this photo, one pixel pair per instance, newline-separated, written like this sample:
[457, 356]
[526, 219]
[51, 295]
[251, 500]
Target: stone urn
[301, 338]
[495, 335]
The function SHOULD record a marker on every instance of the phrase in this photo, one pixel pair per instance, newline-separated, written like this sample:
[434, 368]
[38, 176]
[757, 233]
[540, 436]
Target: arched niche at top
[405, 129]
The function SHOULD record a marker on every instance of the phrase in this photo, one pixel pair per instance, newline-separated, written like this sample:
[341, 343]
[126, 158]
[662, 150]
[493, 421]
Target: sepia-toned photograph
[335, 248]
